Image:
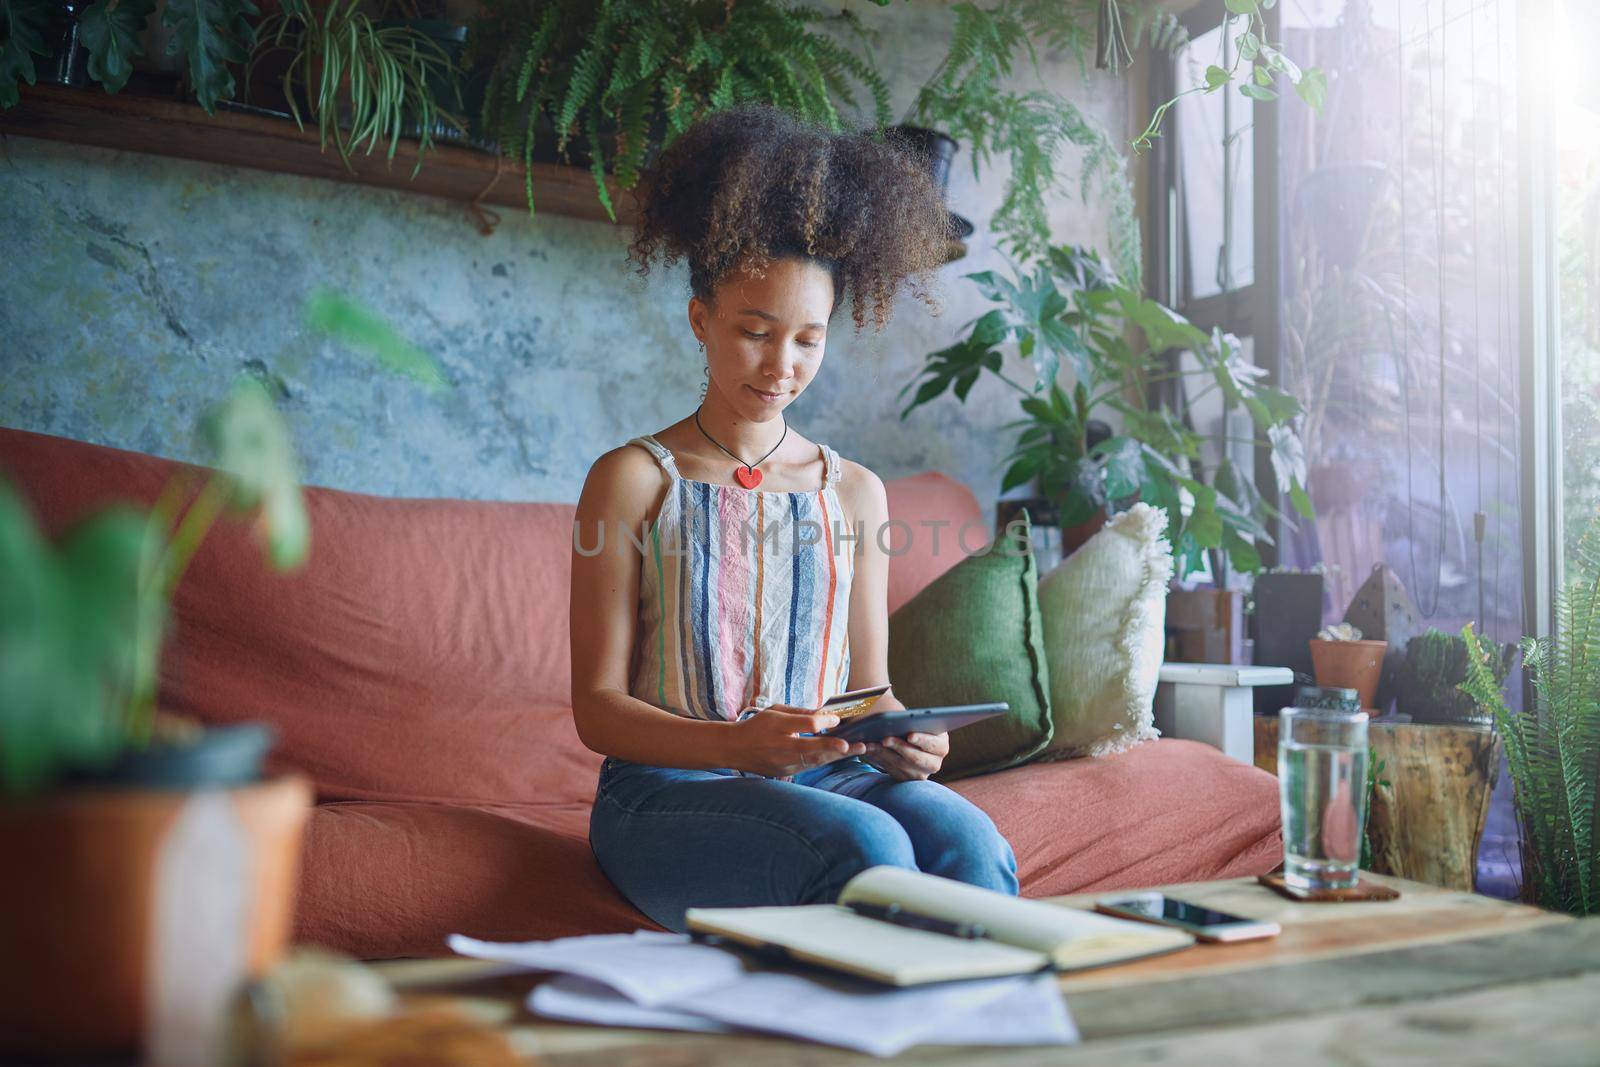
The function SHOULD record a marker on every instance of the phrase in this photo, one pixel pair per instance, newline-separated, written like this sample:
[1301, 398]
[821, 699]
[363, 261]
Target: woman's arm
[605, 603]
[916, 755]
[604, 609]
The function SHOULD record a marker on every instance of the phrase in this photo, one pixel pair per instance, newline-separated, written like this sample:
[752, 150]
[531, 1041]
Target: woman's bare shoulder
[860, 490]
[624, 482]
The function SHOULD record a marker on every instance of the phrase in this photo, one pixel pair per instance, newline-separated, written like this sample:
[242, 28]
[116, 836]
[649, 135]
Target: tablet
[876, 725]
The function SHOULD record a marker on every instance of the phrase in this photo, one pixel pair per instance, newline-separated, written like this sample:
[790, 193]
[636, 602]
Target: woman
[727, 574]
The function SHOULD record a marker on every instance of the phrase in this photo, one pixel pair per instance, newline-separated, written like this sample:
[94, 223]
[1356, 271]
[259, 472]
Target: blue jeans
[671, 839]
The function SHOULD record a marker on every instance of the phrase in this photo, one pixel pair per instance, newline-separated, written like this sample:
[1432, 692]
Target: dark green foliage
[970, 97]
[25, 28]
[212, 34]
[1072, 309]
[69, 619]
[1430, 680]
[110, 32]
[1553, 747]
[618, 79]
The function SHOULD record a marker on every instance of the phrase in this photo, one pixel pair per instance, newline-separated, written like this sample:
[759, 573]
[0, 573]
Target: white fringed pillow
[1104, 610]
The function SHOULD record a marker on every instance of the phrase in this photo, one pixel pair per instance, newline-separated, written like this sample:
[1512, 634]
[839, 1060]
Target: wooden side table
[1426, 823]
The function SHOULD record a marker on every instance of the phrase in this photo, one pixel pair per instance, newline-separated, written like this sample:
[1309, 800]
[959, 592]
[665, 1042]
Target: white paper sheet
[1035, 1014]
[648, 967]
[666, 981]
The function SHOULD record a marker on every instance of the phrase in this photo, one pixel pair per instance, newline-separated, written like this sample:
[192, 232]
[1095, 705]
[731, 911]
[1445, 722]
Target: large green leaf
[1124, 466]
[110, 30]
[68, 651]
[353, 323]
[25, 26]
[211, 34]
[252, 448]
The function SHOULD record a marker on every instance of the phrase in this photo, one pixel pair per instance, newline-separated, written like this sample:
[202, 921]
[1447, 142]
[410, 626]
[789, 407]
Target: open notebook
[1018, 936]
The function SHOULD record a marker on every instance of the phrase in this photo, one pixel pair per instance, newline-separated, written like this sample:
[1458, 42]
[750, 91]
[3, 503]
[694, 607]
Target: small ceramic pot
[1349, 665]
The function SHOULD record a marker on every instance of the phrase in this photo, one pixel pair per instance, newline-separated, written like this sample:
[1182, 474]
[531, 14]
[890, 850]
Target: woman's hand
[769, 741]
[909, 758]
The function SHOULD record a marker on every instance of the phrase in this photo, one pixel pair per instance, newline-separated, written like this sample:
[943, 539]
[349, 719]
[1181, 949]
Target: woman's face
[764, 336]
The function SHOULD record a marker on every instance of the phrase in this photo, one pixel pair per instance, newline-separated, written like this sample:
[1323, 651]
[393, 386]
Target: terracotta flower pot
[1349, 665]
[92, 873]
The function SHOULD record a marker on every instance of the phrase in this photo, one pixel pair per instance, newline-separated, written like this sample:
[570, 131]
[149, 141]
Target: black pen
[894, 913]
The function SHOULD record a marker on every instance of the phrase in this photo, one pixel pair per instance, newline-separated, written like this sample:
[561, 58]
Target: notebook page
[1069, 936]
[839, 937]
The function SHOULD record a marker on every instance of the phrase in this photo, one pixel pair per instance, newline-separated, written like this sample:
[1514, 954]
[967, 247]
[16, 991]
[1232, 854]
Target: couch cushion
[1104, 608]
[935, 509]
[395, 879]
[1162, 812]
[974, 635]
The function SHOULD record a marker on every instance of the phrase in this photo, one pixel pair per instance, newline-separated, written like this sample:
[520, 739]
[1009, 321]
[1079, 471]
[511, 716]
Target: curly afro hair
[752, 184]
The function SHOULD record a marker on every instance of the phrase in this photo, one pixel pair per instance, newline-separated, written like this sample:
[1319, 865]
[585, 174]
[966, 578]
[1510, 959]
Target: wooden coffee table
[1436, 976]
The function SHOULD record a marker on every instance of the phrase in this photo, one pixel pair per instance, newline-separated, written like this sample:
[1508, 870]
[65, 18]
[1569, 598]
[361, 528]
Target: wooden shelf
[185, 131]
[263, 142]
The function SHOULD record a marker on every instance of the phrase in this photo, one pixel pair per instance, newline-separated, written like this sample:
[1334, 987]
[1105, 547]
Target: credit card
[855, 702]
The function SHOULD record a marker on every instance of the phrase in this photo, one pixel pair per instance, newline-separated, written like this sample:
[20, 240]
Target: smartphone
[1207, 924]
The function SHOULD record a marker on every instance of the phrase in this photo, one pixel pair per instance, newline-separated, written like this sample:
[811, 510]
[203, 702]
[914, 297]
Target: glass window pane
[1399, 244]
[1216, 145]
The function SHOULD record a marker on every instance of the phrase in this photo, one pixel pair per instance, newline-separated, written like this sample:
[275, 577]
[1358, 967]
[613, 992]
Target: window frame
[1252, 310]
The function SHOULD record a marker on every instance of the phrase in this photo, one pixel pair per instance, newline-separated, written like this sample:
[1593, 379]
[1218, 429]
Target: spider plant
[361, 81]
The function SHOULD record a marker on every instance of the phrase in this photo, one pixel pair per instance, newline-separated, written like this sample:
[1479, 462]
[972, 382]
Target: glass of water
[1322, 782]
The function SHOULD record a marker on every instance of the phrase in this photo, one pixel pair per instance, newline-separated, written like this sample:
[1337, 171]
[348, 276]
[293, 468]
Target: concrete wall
[133, 289]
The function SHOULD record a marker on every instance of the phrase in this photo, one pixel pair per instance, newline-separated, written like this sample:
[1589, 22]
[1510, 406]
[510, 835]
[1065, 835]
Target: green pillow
[974, 635]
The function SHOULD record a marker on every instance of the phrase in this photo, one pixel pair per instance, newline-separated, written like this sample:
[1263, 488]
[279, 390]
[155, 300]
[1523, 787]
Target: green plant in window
[1071, 310]
[618, 79]
[1257, 67]
[1553, 747]
[362, 82]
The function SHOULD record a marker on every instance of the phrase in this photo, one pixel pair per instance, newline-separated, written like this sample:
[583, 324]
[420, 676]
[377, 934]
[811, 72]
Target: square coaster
[1362, 890]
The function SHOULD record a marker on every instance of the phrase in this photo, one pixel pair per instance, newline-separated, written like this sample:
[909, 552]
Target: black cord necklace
[746, 473]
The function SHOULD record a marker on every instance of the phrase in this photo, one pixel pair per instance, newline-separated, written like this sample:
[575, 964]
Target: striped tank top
[744, 597]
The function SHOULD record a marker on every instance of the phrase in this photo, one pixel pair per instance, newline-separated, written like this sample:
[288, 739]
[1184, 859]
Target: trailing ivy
[616, 80]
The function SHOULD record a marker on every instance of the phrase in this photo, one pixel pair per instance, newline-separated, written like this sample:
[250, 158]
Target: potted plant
[103, 797]
[970, 99]
[1431, 676]
[1552, 747]
[361, 79]
[1070, 309]
[98, 784]
[606, 85]
[1341, 659]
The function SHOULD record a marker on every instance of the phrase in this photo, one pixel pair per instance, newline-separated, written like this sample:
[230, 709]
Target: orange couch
[417, 668]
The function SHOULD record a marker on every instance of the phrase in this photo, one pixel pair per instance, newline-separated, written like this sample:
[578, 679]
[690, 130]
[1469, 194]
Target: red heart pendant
[748, 476]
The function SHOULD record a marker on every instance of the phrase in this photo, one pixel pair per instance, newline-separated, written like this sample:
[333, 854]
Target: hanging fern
[970, 97]
[621, 78]
[1553, 748]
